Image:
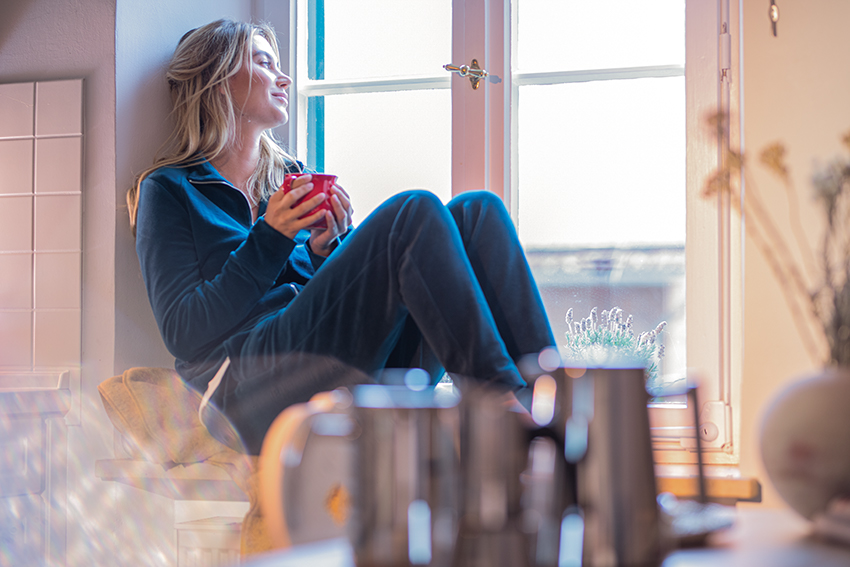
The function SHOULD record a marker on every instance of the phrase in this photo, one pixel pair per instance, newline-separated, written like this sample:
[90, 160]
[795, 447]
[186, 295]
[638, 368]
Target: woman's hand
[282, 212]
[324, 240]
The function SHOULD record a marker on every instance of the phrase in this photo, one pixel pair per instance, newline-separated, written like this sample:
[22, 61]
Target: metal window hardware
[473, 71]
[773, 14]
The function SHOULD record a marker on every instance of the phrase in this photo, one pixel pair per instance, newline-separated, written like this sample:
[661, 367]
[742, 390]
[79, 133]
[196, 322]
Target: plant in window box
[610, 338]
[805, 426]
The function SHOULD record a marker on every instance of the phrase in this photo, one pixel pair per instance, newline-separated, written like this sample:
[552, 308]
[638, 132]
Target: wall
[48, 40]
[794, 90]
[118, 49]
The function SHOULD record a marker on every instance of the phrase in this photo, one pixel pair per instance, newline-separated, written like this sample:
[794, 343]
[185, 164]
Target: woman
[260, 310]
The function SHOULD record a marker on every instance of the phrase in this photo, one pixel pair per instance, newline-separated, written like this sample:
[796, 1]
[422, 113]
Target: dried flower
[773, 157]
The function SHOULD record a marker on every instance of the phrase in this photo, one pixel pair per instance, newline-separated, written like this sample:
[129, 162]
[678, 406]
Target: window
[596, 110]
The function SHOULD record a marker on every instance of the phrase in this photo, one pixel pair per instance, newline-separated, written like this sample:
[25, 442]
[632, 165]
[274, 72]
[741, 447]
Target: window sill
[722, 484]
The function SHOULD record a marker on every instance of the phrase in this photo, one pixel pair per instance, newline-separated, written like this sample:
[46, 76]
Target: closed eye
[264, 59]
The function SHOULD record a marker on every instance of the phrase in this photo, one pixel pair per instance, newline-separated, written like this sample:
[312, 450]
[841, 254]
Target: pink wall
[795, 91]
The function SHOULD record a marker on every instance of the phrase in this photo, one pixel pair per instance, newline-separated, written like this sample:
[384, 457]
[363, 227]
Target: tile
[16, 281]
[16, 161]
[15, 223]
[58, 165]
[58, 107]
[16, 338]
[16, 109]
[57, 338]
[57, 281]
[57, 222]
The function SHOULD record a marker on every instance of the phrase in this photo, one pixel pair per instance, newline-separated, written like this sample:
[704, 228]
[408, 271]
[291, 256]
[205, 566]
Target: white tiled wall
[40, 224]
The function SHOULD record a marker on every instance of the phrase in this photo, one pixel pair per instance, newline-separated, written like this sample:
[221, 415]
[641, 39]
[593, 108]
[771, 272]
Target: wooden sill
[723, 490]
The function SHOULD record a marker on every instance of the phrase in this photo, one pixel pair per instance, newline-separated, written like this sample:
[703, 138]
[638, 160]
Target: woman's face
[259, 88]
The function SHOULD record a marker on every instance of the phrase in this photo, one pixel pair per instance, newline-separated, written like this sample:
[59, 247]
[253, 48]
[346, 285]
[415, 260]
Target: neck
[238, 163]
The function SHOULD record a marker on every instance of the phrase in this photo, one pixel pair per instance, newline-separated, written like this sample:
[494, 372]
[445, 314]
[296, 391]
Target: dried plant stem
[768, 239]
[755, 210]
[797, 226]
[801, 315]
[821, 312]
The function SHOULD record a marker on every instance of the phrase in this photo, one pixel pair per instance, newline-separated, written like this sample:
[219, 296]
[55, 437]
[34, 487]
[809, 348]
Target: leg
[500, 266]
[497, 258]
[406, 260]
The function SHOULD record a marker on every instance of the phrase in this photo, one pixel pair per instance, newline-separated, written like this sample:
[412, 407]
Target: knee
[421, 204]
[421, 197]
[472, 204]
[406, 201]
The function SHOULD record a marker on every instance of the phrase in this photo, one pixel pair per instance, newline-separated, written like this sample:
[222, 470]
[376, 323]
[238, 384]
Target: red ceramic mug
[322, 183]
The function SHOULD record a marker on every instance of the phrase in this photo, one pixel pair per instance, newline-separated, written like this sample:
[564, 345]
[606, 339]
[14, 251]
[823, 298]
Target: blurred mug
[322, 183]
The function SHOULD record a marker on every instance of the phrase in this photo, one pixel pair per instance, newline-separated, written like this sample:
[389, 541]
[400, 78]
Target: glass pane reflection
[382, 143]
[569, 35]
[386, 38]
[601, 202]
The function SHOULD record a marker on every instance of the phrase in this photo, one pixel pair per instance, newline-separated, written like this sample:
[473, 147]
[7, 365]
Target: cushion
[157, 413]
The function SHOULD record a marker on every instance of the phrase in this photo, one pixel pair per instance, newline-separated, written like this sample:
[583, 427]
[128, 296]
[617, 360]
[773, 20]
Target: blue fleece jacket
[211, 273]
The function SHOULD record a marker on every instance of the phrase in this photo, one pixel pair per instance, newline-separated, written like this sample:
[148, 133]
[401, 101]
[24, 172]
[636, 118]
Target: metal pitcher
[607, 435]
[507, 501]
[406, 483]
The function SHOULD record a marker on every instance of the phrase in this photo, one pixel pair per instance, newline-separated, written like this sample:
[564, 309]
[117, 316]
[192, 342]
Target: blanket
[157, 414]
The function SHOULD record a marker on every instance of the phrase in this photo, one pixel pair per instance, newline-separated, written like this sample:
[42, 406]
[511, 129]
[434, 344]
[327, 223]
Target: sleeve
[194, 314]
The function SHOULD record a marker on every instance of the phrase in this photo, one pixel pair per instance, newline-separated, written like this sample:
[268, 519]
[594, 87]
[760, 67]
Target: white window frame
[714, 255]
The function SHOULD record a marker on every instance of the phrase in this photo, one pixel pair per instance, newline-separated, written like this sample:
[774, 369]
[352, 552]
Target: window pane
[382, 143]
[568, 35]
[608, 156]
[601, 201]
[385, 38]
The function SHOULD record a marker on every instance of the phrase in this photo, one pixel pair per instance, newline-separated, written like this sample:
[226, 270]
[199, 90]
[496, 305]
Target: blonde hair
[203, 107]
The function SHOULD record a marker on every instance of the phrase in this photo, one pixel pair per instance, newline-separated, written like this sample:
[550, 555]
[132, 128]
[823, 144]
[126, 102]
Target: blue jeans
[417, 284]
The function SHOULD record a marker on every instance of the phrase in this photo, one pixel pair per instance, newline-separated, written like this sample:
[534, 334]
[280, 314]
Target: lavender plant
[609, 338]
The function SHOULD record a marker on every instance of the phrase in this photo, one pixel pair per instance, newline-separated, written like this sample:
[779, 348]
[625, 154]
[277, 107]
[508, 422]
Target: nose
[283, 81]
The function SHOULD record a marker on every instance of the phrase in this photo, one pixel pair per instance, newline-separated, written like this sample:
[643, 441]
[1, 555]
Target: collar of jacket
[204, 172]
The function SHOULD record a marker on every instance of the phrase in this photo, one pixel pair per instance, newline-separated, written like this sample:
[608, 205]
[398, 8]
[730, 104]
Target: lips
[281, 97]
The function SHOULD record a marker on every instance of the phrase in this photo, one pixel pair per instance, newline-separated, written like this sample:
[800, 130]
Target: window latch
[473, 71]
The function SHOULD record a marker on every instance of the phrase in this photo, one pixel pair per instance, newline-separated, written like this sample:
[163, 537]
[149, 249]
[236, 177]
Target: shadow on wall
[142, 125]
[11, 13]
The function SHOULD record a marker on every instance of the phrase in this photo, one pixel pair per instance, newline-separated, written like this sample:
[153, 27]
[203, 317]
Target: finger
[321, 236]
[346, 205]
[341, 190]
[343, 196]
[341, 218]
[312, 219]
[309, 204]
[338, 207]
[301, 180]
[292, 196]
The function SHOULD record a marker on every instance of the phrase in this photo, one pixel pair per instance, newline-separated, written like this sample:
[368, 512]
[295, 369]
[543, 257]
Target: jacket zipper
[227, 184]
